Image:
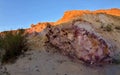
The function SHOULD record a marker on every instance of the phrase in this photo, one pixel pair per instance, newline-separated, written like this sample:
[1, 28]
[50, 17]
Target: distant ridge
[71, 14]
[75, 13]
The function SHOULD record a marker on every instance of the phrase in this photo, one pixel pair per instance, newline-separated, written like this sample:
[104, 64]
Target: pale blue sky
[16, 14]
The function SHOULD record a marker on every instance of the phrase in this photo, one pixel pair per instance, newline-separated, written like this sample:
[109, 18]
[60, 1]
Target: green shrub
[13, 43]
[107, 28]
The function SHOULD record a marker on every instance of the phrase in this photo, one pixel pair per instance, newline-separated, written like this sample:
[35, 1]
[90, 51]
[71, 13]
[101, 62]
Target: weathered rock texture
[79, 40]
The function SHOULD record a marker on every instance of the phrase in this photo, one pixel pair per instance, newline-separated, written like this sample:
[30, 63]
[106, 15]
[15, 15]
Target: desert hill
[100, 25]
[81, 42]
[71, 14]
[75, 13]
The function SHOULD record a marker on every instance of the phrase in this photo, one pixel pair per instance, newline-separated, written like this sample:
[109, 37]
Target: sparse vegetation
[107, 28]
[12, 44]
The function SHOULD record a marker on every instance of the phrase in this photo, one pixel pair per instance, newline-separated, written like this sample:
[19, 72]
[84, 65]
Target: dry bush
[13, 44]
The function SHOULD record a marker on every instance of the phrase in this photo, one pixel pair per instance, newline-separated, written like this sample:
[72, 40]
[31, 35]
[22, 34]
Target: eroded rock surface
[79, 40]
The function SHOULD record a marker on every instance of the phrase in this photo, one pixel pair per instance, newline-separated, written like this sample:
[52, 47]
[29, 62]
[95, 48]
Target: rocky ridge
[68, 15]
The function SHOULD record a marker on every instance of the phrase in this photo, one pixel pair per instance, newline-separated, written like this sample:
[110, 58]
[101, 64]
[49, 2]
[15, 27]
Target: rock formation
[79, 41]
[68, 15]
[76, 13]
[38, 27]
[90, 36]
[83, 34]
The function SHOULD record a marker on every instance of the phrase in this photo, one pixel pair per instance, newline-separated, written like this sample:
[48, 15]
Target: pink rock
[79, 41]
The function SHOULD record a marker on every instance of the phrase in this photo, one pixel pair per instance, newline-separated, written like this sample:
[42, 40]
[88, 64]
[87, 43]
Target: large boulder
[78, 40]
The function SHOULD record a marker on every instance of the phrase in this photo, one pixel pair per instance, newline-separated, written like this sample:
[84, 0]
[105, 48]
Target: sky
[16, 14]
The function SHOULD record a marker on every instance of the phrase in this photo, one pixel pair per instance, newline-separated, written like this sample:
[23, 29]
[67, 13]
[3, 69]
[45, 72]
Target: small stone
[57, 73]
[65, 74]
[29, 58]
[37, 70]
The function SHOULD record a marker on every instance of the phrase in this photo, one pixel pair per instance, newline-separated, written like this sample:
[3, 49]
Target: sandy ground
[47, 63]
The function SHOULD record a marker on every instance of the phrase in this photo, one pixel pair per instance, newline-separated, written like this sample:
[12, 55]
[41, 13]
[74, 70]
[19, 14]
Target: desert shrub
[13, 43]
[107, 28]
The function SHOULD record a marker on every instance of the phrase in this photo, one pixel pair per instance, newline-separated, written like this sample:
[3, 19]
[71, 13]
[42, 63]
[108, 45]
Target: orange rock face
[75, 13]
[68, 15]
[38, 27]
